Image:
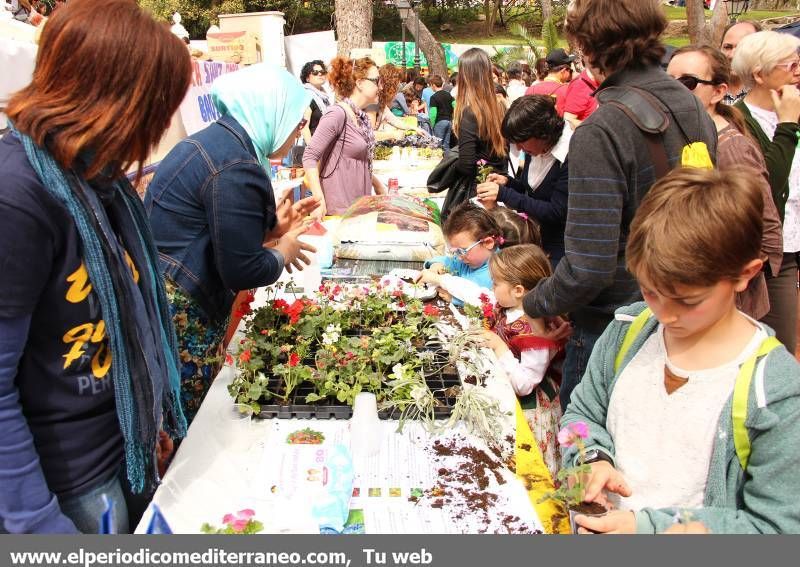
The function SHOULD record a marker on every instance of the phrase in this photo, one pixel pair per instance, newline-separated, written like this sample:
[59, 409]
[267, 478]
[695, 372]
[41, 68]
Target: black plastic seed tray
[441, 383]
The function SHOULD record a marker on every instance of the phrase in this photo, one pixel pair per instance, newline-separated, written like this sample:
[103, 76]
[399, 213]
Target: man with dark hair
[730, 40]
[441, 110]
[613, 163]
[559, 74]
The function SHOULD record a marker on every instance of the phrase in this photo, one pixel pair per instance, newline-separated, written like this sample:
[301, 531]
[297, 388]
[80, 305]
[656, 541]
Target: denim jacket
[210, 204]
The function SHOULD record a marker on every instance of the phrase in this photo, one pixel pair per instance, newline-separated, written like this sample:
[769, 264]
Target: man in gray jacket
[616, 162]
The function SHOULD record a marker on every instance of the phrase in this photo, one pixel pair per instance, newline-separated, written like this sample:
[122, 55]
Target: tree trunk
[437, 64]
[696, 19]
[547, 9]
[353, 25]
[719, 19]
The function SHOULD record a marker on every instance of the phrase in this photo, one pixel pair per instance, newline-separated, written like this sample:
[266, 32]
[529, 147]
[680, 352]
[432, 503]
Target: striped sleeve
[597, 189]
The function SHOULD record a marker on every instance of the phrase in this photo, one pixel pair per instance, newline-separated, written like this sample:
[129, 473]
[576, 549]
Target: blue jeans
[85, 510]
[579, 348]
[442, 131]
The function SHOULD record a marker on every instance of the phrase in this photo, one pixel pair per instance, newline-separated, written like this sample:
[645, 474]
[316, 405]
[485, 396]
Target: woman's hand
[614, 522]
[290, 215]
[292, 248]
[787, 103]
[501, 180]
[487, 194]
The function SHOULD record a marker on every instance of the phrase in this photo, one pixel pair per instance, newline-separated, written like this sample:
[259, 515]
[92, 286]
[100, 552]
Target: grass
[674, 13]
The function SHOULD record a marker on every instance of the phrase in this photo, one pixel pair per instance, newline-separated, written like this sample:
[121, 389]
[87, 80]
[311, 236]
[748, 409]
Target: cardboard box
[234, 47]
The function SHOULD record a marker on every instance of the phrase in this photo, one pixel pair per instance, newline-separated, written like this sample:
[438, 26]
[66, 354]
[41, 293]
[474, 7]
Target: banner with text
[197, 110]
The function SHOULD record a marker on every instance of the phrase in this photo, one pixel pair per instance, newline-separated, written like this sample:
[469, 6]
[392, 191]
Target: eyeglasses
[318, 72]
[792, 66]
[461, 252]
[691, 82]
[375, 80]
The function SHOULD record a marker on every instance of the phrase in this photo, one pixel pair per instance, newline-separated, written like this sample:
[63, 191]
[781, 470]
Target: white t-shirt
[768, 121]
[663, 442]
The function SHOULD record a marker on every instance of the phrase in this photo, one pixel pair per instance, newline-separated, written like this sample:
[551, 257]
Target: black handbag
[445, 175]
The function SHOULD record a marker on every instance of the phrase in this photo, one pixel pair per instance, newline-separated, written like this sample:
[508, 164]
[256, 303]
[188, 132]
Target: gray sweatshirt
[610, 171]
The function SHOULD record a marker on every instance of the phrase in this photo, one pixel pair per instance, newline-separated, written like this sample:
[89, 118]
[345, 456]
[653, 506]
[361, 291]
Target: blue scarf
[145, 370]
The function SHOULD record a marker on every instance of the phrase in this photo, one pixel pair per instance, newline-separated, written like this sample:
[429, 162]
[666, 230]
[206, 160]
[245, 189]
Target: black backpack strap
[648, 114]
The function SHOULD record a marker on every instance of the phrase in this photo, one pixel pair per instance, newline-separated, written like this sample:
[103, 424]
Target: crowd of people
[634, 219]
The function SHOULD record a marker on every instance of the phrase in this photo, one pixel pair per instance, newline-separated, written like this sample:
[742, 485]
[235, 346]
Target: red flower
[294, 359]
[431, 310]
[264, 331]
[228, 358]
[280, 304]
[245, 356]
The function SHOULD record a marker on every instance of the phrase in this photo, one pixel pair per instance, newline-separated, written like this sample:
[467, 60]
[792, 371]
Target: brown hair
[390, 81]
[525, 265]
[615, 34]
[720, 68]
[344, 72]
[516, 228]
[476, 93]
[470, 218]
[99, 86]
[696, 227]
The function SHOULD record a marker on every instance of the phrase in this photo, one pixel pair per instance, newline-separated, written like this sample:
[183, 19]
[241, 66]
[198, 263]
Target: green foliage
[550, 35]
[343, 343]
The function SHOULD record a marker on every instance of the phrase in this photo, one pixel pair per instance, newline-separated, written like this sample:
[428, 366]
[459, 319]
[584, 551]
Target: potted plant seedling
[572, 480]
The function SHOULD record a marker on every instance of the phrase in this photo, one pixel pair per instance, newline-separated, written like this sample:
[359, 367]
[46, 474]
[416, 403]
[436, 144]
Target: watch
[594, 455]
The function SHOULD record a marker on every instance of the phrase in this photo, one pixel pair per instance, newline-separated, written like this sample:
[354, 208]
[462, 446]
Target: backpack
[649, 115]
[741, 389]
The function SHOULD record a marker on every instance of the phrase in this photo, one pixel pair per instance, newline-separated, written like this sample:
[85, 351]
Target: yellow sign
[234, 47]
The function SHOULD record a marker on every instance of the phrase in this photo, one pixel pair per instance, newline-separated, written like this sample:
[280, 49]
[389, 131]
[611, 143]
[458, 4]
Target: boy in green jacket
[693, 408]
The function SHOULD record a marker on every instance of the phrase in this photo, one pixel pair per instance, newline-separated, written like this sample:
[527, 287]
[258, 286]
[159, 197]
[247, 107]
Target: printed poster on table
[197, 110]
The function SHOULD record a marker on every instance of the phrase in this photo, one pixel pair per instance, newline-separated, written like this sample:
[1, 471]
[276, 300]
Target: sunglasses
[318, 72]
[791, 66]
[691, 82]
[461, 252]
[376, 80]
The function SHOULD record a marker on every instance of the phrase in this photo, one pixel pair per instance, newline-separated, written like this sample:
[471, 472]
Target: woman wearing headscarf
[88, 360]
[214, 217]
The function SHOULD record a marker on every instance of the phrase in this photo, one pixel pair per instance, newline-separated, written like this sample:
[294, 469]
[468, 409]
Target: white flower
[418, 393]
[331, 334]
[397, 371]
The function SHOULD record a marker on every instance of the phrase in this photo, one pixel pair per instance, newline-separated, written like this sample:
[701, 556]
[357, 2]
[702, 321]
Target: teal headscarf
[266, 100]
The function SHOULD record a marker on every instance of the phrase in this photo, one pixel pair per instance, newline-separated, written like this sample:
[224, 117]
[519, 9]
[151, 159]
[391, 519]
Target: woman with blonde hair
[769, 64]
[477, 120]
[338, 162]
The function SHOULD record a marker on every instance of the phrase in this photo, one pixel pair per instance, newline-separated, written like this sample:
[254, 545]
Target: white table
[209, 477]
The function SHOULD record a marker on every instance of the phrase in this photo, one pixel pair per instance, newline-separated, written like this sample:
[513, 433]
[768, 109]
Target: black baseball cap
[559, 58]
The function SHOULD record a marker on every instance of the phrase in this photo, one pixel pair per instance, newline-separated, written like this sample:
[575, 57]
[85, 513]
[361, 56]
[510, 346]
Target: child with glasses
[472, 236]
[521, 346]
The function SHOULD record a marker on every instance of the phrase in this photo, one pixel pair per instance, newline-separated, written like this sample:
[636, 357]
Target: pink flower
[238, 522]
[569, 434]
